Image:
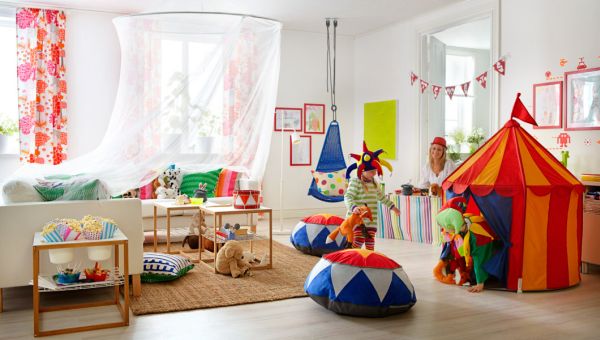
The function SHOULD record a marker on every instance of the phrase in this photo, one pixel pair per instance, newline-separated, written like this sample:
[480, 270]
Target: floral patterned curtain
[41, 85]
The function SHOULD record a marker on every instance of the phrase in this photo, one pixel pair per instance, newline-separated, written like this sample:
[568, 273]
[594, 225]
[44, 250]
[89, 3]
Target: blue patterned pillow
[159, 267]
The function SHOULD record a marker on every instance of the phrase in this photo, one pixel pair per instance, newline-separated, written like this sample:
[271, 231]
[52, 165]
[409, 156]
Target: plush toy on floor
[230, 260]
[351, 223]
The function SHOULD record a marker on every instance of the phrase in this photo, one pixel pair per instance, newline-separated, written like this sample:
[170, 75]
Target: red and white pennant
[499, 66]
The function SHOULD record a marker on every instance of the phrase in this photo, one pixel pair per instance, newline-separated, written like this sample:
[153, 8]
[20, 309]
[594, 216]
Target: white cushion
[16, 191]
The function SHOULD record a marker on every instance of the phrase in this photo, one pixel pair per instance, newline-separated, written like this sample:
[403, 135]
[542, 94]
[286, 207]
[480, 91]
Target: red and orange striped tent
[531, 201]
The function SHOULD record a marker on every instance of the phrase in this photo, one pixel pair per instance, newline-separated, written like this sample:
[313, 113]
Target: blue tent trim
[331, 159]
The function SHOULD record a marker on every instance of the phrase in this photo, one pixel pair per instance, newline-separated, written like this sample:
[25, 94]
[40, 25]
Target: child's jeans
[364, 235]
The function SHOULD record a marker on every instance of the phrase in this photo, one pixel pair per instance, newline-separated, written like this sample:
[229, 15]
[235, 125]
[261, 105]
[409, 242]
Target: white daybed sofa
[19, 222]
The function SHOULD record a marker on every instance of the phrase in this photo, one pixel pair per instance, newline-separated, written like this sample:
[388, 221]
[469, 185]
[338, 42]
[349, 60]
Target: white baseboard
[299, 213]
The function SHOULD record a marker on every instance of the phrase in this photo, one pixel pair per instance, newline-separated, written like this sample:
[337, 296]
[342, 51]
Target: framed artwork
[548, 104]
[288, 119]
[582, 98]
[314, 118]
[301, 153]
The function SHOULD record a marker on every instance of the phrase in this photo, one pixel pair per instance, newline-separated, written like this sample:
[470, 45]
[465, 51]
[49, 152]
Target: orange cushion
[226, 183]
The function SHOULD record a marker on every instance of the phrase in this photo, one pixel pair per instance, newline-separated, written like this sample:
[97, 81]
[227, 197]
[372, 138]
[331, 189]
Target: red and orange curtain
[42, 85]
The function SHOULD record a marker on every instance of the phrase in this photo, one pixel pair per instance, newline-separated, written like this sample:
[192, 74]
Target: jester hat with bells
[369, 160]
[450, 216]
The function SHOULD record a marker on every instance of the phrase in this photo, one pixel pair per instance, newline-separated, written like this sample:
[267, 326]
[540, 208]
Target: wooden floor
[441, 312]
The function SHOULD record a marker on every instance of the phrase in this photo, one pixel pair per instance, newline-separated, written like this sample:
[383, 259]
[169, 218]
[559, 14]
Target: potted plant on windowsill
[475, 138]
[8, 128]
[454, 150]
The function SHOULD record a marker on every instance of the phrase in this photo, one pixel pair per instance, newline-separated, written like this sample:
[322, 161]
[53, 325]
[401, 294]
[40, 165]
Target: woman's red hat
[439, 141]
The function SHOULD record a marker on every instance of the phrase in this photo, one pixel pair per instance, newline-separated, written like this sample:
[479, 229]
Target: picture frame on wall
[314, 118]
[301, 153]
[288, 119]
[582, 98]
[548, 105]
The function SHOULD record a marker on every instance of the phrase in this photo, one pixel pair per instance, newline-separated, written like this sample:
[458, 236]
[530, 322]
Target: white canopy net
[196, 89]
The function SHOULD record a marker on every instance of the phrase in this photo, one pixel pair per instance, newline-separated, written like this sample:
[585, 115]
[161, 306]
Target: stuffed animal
[133, 193]
[434, 190]
[169, 179]
[164, 193]
[351, 222]
[230, 259]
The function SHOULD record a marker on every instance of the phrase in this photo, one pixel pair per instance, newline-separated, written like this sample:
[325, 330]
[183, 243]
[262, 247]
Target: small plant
[475, 138]
[8, 127]
[454, 149]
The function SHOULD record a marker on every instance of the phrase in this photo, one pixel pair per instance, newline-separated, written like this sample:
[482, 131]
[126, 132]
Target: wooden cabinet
[590, 245]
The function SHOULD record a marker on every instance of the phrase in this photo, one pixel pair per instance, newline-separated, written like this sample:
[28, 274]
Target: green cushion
[190, 182]
[77, 191]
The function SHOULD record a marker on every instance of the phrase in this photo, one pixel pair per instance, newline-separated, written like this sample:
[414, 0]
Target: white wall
[383, 62]
[303, 80]
[548, 31]
[92, 63]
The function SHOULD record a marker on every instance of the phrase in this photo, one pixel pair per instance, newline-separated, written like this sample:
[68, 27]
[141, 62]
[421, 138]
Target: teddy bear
[230, 260]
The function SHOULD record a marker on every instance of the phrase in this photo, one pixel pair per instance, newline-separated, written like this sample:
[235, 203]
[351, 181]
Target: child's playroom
[299, 169]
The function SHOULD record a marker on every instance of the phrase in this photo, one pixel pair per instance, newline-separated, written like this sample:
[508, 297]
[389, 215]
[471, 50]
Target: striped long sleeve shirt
[356, 195]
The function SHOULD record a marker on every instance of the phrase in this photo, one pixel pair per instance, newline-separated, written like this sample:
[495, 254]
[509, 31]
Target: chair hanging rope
[332, 155]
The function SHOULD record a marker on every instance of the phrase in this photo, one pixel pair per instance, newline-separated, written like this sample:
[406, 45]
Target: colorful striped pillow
[226, 183]
[190, 182]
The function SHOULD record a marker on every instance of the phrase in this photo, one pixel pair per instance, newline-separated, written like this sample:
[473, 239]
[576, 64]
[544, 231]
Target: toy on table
[182, 199]
[96, 274]
[201, 192]
[68, 275]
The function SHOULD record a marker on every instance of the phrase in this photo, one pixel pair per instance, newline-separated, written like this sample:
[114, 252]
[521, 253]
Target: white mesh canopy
[196, 89]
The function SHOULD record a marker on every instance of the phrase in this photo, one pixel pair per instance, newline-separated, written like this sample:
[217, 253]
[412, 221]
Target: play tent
[531, 201]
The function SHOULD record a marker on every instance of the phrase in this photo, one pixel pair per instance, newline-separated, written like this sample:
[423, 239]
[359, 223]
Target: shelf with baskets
[117, 278]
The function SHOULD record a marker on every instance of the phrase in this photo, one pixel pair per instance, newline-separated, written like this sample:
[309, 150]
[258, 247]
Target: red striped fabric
[226, 183]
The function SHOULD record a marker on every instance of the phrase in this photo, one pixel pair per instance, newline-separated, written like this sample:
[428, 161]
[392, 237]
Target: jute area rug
[202, 288]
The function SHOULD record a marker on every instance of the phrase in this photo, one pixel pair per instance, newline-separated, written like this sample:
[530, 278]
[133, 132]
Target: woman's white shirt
[428, 177]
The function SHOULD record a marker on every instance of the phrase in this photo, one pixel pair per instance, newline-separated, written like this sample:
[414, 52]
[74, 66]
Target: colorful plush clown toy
[468, 246]
[364, 191]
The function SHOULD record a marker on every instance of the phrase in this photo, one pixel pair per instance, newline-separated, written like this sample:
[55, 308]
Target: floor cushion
[159, 267]
[311, 232]
[360, 282]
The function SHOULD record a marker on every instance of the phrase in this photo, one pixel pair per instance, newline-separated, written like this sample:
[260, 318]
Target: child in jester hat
[470, 242]
[365, 190]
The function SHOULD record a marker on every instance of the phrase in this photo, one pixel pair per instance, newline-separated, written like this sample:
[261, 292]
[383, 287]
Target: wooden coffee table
[218, 212]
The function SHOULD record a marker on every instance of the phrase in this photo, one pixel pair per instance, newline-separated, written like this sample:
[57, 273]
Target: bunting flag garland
[450, 91]
[465, 87]
[436, 90]
[413, 78]
[424, 85]
[499, 66]
[482, 79]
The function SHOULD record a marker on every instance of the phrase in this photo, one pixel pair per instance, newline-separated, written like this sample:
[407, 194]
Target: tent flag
[520, 111]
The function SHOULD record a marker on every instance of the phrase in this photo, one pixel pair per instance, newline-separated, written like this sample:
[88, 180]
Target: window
[459, 109]
[193, 114]
[9, 135]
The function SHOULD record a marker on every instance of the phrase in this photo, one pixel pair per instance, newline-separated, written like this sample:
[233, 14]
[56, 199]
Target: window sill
[9, 155]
